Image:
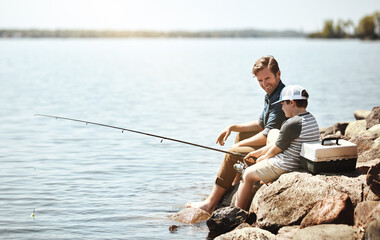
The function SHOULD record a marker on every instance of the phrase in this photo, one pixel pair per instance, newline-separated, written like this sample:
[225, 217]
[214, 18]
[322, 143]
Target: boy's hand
[251, 157]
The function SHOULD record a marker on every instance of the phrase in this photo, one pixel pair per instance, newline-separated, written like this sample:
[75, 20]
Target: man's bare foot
[205, 205]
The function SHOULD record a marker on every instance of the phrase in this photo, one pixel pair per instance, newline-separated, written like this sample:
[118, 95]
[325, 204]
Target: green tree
[328, 29]
[349, 27]
[366, 27]
[340, 30]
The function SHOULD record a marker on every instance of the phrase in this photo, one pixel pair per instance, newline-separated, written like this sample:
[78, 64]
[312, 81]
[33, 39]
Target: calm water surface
[88, 182]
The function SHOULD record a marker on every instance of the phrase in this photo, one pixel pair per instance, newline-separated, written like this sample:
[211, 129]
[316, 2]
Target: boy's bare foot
[205, 205]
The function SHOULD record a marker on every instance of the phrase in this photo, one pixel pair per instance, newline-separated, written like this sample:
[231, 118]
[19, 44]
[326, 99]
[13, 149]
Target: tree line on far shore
[38, 33]
[367, 28]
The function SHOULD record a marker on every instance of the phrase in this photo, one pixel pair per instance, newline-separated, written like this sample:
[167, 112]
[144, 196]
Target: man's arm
[253, 126]
[257, 140]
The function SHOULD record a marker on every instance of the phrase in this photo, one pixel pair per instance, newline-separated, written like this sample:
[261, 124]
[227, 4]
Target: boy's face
[288, 107]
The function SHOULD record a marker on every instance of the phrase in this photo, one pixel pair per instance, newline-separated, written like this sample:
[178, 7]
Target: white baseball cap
[291, 92]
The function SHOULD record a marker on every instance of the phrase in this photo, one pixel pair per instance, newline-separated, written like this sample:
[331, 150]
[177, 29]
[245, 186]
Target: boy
[282, 155]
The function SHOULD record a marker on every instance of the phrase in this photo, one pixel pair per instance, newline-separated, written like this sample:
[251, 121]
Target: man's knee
[231, 159]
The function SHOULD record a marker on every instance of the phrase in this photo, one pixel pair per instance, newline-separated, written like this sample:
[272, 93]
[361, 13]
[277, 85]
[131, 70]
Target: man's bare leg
[237, 179]
[210, 203]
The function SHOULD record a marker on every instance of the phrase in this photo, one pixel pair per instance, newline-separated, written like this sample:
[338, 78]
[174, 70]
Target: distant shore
[247, 33]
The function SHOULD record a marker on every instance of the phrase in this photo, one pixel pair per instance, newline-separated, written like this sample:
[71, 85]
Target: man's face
[267, 80]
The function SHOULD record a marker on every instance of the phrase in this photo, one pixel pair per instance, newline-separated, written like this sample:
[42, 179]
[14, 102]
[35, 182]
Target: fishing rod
[143, 133]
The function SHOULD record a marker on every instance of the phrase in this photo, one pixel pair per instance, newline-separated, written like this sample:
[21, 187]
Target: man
[252, 135]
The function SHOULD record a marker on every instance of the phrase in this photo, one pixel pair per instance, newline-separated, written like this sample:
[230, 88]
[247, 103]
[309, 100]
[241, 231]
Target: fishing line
[143, 133]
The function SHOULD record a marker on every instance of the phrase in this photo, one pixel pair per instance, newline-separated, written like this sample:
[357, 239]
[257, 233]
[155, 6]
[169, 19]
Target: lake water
[90, 182]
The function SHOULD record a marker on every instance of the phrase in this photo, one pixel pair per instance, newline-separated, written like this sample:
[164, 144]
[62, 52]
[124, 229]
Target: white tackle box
[329, 155]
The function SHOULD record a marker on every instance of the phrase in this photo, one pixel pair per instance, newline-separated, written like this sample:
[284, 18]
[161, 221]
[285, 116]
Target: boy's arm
[290, 130]
[257, 153]
[273, 150]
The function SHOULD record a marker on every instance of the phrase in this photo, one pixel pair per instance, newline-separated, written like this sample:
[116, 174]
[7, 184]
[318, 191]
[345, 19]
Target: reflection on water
[93, 182]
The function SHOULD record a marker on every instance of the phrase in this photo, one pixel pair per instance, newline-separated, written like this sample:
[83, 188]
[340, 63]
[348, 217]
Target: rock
[337, 130]
[225, 219]
[366, 212]
[373, 230]
[366, 147]
[373, 118]
[337, 209]
[247, 233]
[373, 179]
[191, 215]
[355, 129]
[372, 153]
[361, 114]
[363, 167]
[374, 131]
[287, 200]
[327, 231]
[173, 228]
[287, 232]
[243, 225]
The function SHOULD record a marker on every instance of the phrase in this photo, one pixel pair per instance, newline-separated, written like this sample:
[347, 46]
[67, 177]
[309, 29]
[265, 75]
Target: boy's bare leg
[245, 188]
[210, 203]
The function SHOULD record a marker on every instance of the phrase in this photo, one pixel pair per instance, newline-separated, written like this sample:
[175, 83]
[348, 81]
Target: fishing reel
[240, 166]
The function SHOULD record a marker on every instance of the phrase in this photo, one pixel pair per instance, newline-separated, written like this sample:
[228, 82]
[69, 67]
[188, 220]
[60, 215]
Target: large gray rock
[373, 118]
[361, 114]
[335, 209]
[225, 219]
[287, 232]
[373, 230]
[247, 233]
[363, 167]
[356, 129]
[327, 231]
[286, 201]
[373, 179]
[336, 130]
[366, 212]
[374, 131]
[191, 215]
[372, 153]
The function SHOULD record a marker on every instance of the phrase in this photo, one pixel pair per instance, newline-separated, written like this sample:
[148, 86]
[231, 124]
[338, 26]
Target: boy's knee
[250, 175]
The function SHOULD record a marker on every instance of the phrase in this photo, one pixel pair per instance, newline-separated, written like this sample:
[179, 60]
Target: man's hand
[223, 136]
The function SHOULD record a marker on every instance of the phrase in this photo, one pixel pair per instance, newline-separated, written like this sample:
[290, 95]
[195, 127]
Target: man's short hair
[266, 61]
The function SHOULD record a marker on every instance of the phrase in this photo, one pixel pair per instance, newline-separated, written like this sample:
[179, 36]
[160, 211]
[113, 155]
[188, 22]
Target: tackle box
[329, 155]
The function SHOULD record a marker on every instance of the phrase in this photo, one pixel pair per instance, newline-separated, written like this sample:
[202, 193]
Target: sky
[188, 15]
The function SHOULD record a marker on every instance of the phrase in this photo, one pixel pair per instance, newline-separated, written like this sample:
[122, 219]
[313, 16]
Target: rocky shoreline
[300, 205]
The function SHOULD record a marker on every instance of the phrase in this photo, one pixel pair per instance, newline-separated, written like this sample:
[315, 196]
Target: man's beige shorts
[267, 171]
